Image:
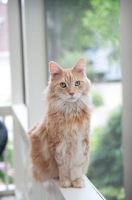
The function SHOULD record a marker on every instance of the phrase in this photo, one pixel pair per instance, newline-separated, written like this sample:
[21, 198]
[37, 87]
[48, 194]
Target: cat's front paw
[65, 182]
[79, 183]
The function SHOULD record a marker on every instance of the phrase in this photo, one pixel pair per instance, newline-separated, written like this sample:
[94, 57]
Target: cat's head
[68, 84]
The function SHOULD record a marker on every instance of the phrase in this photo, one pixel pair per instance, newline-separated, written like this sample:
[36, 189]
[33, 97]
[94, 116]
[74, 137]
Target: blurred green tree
[76, 25]
[97, 98]
[102, 21]
[106, 168]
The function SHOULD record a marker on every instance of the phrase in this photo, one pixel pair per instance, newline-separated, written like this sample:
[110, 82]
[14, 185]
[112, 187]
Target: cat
[59, 143]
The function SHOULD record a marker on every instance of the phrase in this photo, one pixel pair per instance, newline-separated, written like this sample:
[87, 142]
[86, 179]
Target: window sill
[54, 191]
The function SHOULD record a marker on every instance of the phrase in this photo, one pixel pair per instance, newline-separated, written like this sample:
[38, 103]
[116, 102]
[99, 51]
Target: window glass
[90, 29]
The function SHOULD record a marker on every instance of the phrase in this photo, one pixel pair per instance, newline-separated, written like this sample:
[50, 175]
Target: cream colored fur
[60, 141]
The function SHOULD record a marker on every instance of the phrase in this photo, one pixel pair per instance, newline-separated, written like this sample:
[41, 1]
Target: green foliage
[106, 168]
[68, 59]
[10, 153]
[77, 25]
[102, 21]
[113, 193]
[97, 98]
[64, 26]
[93, 75]
[10, 170]
[2, 175]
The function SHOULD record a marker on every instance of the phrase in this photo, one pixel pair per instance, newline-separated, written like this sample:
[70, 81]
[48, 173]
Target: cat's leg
[76, 176]
[64, 175]
[79, 164]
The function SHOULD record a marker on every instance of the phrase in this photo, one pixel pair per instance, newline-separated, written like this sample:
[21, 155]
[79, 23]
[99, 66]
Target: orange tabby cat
[60, 142]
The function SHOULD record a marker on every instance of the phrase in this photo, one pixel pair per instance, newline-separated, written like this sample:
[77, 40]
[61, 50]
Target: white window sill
[54, 191]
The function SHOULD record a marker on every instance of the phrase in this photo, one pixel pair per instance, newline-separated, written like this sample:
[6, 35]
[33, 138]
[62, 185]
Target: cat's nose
[71, 93]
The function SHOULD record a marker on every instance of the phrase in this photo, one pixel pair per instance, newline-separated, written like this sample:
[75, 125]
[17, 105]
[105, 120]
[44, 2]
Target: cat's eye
[77, 83]
[63, 85]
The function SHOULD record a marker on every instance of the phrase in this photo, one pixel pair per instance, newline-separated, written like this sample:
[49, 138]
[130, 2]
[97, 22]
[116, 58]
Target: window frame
[126, 60]
[35, 65]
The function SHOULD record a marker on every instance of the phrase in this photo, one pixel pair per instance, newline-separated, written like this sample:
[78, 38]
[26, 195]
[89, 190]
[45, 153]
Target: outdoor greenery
[79, 25]
[9, 166]
[106, 168]
[68, 59]
[90, 21]
[97, 98]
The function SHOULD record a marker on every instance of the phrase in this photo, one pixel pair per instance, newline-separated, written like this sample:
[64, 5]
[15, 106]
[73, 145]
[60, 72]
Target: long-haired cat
[59, 144]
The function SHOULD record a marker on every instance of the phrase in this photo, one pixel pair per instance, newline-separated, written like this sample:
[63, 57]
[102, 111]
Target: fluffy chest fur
[68, 130]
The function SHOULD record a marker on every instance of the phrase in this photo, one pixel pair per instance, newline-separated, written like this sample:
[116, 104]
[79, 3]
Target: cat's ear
[80, 66]
[55, 69]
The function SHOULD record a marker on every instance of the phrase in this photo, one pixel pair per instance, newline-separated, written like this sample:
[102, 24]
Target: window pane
[90, 29]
